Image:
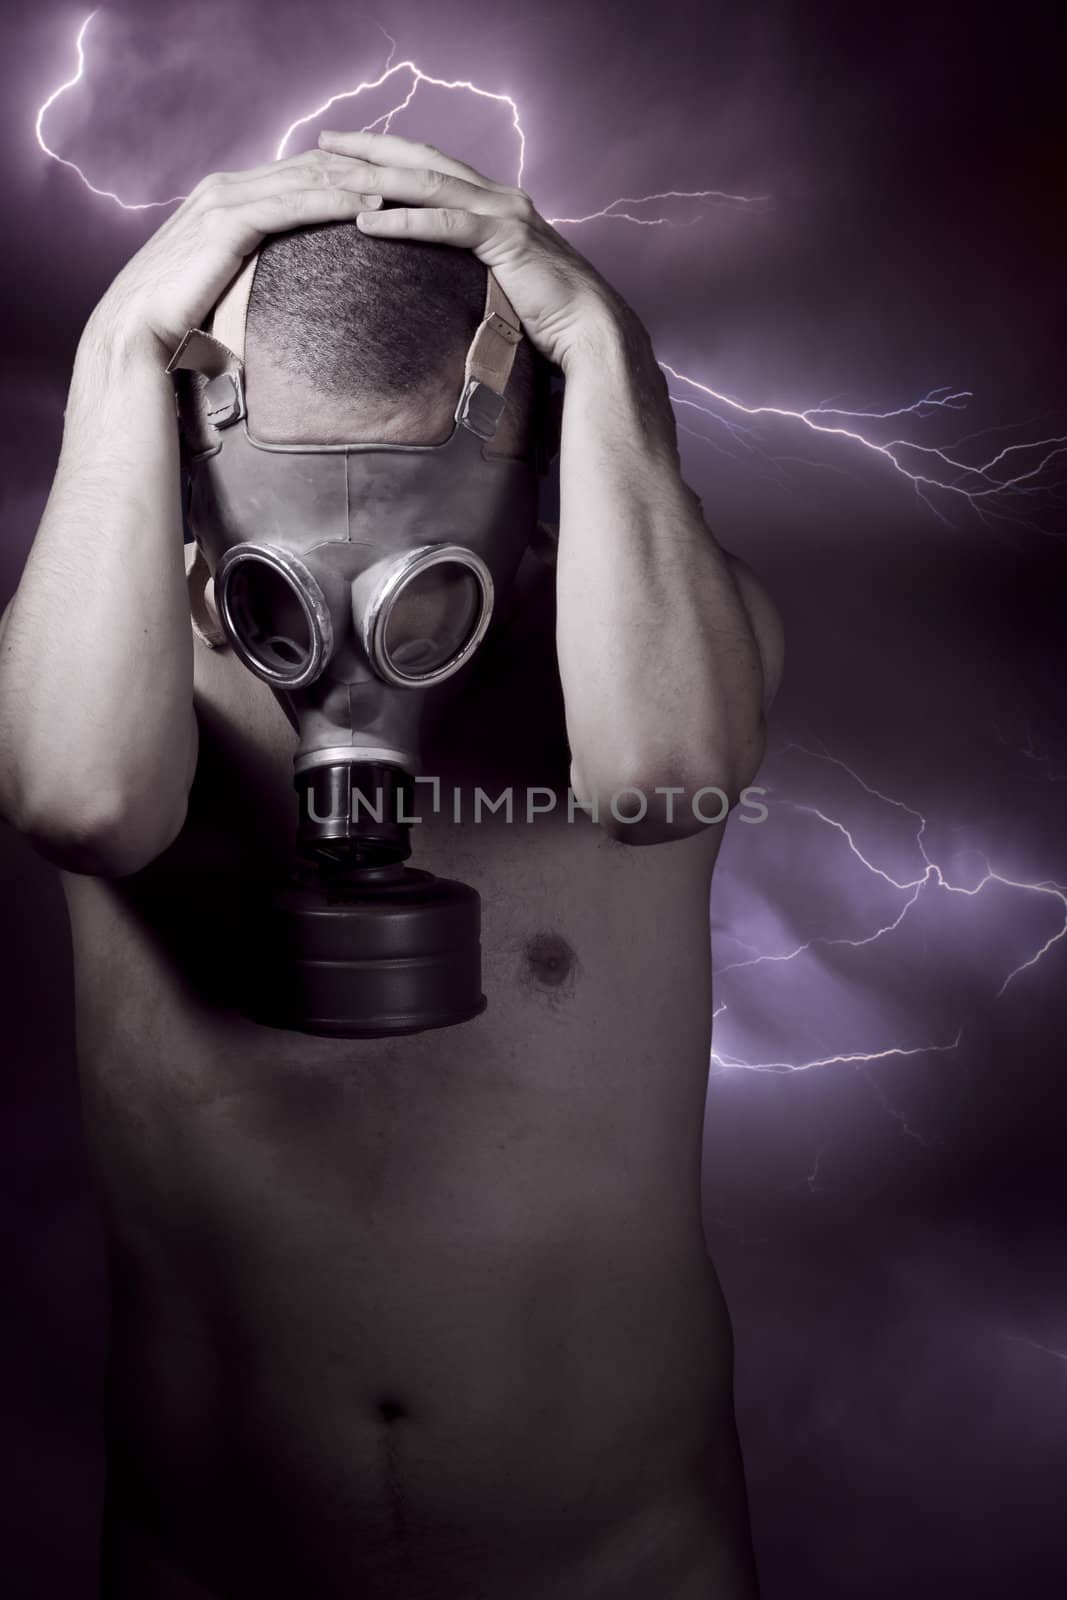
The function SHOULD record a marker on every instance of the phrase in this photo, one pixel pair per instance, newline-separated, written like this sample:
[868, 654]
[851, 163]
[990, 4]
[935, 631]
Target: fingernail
[366, 219]
[373, 202]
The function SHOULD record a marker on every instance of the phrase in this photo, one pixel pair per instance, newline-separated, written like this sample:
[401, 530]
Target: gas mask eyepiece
[353, 579]
[274, 613]
[422, 616]
[419, 616]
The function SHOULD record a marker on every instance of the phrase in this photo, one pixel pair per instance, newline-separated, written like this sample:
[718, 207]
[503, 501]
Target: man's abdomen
[430, 1316]
[389, 1407]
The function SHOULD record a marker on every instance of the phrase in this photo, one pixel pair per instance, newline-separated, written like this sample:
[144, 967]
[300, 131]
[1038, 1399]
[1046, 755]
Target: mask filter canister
[360, 945]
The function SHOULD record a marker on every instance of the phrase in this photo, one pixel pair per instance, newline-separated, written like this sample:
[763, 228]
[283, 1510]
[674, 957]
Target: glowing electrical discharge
[997, 485]
[931, 878]
[1034, 1344]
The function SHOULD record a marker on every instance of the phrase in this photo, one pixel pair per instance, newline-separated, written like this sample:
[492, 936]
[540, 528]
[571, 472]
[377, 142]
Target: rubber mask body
[353, 579]
[347, 516]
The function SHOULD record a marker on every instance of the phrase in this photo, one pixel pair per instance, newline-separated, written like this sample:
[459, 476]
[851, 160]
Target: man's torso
[429, 1316]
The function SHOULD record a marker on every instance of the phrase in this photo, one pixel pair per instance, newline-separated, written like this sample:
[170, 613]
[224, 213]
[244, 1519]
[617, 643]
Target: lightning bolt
[972, 481]
[813, 1175]
[929, 469]
[608, 213]
[853, 1058]
[931, 877]
[1035, 1344]
[384, 122]
[1040, 757]
[38, 128]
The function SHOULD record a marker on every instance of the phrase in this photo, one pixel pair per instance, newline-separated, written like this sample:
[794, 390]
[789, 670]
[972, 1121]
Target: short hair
[381, 318]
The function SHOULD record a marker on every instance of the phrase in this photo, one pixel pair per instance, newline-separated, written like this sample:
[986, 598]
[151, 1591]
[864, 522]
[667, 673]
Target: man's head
[353, 339]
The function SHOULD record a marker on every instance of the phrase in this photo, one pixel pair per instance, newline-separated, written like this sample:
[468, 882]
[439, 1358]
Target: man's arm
[666, 657]
[96, 670]
[669, 649]
[97, 726]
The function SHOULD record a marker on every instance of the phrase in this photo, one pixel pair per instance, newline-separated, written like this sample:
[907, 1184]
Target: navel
[390, 1410]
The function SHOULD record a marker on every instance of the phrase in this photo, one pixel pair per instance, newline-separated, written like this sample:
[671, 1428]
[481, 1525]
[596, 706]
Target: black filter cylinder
[369, 953]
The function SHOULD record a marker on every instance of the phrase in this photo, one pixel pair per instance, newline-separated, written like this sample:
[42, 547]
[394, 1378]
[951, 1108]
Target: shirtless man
[429, 1315]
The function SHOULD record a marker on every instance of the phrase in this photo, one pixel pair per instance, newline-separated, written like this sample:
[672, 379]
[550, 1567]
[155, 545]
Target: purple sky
[890, 1231]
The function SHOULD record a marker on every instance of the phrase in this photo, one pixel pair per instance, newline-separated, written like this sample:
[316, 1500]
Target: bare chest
[591, 947]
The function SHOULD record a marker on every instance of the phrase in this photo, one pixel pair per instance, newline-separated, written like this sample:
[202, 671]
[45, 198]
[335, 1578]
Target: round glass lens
[431, 619]
[268, 618]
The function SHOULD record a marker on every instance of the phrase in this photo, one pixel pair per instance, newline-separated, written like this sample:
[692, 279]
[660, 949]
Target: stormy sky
[885, 1191]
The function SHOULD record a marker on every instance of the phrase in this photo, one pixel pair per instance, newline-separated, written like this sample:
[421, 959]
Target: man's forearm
[661, 672]
[96, 718]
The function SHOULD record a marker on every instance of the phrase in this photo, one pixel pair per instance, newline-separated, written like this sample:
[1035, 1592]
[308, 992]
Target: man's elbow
[108, 834]
[656, 801]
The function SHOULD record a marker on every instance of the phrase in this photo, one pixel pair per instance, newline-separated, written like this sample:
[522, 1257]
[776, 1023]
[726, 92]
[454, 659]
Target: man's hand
[561, 300]
[176, 278]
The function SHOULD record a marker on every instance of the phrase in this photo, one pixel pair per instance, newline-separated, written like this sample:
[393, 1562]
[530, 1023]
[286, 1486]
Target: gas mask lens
[419, 616]
[422, 616]
[431, 619]
[274, 613]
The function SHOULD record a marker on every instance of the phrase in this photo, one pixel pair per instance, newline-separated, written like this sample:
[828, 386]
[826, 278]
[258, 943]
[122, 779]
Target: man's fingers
[281, 181]
[426, 187]
[419, 174]
[248, 221]
[472, 230]
[316, 158]
[389, 149]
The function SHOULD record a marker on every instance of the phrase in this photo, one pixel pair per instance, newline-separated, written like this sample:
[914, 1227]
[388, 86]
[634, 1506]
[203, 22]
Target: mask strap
[219, 355]
[489, 363]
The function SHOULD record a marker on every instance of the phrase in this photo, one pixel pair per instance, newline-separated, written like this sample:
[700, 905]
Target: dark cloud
[890, 1234]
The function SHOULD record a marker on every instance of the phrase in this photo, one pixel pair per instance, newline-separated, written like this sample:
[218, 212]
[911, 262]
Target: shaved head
[354, 339]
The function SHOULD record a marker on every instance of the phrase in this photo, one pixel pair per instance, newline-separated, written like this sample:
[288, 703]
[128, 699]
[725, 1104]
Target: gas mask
[353, 579]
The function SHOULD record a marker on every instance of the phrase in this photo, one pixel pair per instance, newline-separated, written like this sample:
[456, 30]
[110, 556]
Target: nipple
[550, 960]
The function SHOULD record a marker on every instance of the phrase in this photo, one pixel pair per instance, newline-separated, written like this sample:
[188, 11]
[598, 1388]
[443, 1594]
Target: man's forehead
[290, 406]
